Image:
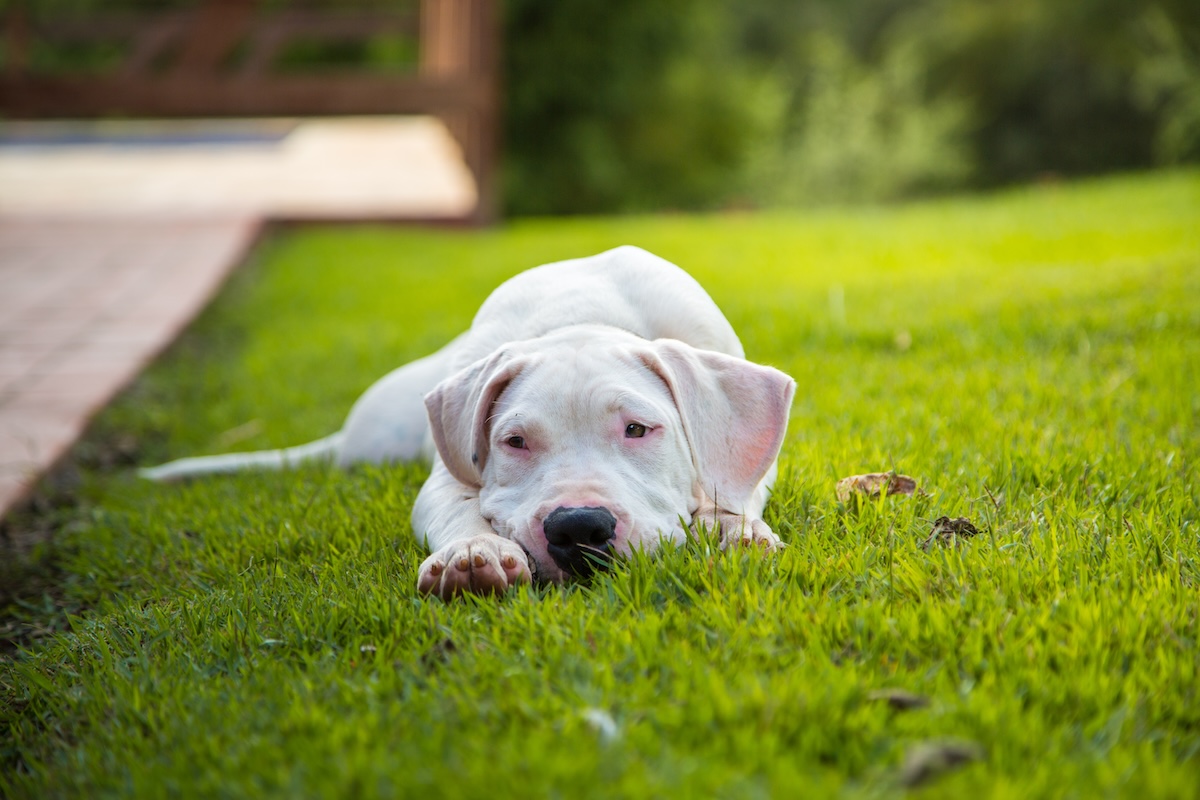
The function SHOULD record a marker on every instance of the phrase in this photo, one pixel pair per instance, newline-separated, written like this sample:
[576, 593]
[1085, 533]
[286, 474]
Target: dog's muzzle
[580, 539]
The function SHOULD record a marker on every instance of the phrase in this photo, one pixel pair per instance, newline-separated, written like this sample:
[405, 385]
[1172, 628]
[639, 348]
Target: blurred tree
[622, 104]
[1050, 83]
[857, 130]
[696, 103]
[1168, 84]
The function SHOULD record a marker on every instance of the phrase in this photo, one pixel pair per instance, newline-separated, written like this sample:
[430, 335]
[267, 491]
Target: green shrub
[622, 105]
[703, 103]
[1168, 83]
[866, 133]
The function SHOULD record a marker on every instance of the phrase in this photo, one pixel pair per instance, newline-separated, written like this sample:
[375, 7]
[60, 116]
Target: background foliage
[704, 103]
[619, 105]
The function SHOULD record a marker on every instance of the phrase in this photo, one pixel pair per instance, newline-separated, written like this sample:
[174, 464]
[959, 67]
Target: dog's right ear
[459, 411]
[734, 415]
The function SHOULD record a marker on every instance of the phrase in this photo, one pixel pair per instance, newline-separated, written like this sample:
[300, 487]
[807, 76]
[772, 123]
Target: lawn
[1031, 358]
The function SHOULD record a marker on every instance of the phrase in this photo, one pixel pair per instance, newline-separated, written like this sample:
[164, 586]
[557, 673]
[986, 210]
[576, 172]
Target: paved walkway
[348, 168]
[109, 248]
[85, 306]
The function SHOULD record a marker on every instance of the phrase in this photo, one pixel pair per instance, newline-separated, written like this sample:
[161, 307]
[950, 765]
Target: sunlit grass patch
[1031, 359]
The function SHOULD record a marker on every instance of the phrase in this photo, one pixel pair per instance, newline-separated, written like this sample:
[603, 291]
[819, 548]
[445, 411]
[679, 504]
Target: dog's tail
[321, 449]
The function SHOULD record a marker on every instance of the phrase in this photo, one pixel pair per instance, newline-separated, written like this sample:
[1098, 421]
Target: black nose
[578, 538]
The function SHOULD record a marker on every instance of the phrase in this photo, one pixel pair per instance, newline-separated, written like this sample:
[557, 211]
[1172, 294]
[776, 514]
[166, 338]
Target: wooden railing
[220, 58]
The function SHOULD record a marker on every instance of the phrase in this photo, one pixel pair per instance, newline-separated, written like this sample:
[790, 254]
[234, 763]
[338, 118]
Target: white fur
[565, 356]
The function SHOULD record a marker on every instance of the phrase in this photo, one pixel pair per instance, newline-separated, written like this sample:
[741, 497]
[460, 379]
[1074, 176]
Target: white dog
[594, 407]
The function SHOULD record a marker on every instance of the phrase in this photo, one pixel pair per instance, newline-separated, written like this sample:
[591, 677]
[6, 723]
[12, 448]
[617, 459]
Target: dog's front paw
[484, 564]
[739, 531]
[742, 532]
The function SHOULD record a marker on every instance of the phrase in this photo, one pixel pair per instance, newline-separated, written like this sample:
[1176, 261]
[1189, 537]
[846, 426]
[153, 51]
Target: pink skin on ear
[459, 408]
[734, 415]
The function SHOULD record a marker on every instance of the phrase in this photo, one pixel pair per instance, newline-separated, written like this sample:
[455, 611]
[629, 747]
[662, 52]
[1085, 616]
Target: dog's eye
[516, 442]
[635, 430]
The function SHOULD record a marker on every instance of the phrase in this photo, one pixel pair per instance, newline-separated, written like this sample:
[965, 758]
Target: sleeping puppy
[594, 407]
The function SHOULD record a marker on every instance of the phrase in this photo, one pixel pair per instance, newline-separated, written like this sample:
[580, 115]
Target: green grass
[1032, 358]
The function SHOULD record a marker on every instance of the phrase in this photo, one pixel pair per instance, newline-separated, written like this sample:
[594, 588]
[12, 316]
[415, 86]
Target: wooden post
[458, 40]
[16, 39]
[219, 26]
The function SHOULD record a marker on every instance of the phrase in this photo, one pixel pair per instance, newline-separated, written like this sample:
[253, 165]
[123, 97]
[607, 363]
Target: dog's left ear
[734, 414]
[459, 410]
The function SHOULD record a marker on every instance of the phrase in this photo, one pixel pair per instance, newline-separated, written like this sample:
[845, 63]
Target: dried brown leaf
[899, 699]
[873, 484]
[947, 530]
[440, 653]
[929, 760]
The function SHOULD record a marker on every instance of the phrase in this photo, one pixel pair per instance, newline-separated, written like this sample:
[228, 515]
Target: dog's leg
[388, 423]
[742, 530]
[468, 555]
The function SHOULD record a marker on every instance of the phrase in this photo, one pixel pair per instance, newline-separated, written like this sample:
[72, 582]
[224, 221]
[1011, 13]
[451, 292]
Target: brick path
[85, 306]
[389, 168]
[108, 251]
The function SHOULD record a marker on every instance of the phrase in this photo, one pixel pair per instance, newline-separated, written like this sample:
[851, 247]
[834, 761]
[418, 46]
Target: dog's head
[592, 442]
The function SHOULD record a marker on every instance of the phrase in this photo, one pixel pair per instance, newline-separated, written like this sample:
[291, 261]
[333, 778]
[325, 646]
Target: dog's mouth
[582, 560]
[579, 538]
